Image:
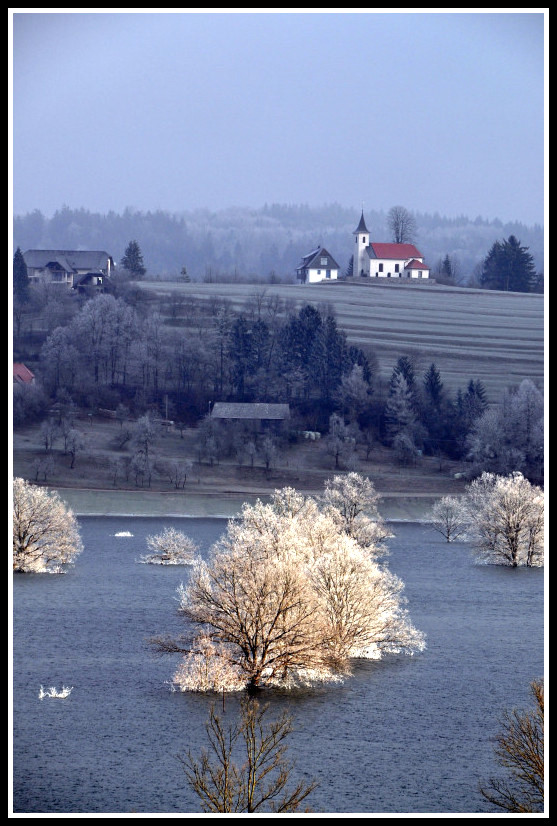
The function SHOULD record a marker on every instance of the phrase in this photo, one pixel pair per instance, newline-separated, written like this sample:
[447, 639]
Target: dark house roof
[250, 410]
[68, 260]
[313, 259]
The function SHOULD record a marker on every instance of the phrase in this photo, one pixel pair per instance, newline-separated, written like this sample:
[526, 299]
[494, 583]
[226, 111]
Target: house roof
[69, 260]
[361, 226]
[416, 265]
[247, 410]
[400, 252]
[313, 259]
[22, 373]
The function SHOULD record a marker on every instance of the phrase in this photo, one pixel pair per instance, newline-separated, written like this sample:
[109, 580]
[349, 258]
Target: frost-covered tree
[45, 532]
[519, 749]
[510, 436]
[354, 392]
[262, 781]
[505, 516]
[171, 547]
[448, 518]
[352, 501]
[340, 442]
[288, 597]
[400, 414]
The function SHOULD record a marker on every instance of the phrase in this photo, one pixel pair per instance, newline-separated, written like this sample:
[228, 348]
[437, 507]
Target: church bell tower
[361, 236]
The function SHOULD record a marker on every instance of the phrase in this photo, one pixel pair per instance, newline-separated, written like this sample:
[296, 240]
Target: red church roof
[397, 251]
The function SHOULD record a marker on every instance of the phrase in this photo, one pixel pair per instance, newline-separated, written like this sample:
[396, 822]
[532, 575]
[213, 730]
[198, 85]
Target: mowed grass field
[492, 336]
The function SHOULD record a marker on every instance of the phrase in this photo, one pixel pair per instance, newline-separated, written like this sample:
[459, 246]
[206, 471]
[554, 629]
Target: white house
[68, 267]
[381, 260]
[318, 265]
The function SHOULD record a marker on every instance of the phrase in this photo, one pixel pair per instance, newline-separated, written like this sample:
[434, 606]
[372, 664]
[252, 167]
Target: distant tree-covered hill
[260, 244]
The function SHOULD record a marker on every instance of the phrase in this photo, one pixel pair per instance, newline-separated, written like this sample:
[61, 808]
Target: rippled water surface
[402, 735]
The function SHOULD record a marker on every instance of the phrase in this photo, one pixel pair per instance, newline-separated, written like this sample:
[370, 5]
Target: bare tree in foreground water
[262, 781]
[520, 749]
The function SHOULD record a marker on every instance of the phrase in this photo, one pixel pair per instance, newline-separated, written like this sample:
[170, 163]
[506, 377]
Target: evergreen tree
[509, 266]
[133, 260]
[20, 278]
[433, 386]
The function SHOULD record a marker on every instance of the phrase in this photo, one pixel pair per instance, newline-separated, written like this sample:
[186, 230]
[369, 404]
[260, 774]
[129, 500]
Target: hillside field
[492, 336]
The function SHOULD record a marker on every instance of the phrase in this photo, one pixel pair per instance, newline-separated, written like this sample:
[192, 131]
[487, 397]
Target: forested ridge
[262, 244]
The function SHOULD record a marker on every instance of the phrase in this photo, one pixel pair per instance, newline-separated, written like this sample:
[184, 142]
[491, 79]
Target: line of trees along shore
[125, 353]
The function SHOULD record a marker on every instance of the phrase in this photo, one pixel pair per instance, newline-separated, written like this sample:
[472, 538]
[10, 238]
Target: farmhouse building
[380, 260]
[70, 268]
[317, 265]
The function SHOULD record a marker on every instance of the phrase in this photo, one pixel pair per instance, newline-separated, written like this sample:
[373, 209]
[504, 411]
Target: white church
[380, 260]
[370, 260]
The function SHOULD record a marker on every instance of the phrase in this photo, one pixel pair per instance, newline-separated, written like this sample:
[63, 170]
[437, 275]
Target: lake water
[402, 735]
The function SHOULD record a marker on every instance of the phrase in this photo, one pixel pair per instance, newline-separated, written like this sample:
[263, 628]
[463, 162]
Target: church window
[380, 267]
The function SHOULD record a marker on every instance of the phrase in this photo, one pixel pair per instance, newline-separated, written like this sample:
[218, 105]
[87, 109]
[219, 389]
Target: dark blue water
[402, 735]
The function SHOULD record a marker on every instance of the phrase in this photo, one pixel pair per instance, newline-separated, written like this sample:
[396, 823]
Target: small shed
[264, 415]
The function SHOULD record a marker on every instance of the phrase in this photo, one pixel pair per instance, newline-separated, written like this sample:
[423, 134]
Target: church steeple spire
[361, 226]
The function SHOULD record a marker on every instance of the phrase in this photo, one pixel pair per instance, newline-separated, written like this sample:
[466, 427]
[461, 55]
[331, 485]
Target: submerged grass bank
[393, 507]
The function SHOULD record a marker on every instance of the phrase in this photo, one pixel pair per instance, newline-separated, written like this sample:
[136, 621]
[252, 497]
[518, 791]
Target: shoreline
[393, 507]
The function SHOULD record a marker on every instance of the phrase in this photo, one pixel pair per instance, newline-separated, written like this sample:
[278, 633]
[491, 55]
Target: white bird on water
[64, 692]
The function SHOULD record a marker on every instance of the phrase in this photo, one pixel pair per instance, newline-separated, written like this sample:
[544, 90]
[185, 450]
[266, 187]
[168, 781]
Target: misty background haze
[176, 111]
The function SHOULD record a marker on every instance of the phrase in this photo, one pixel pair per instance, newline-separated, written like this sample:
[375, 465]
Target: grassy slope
[469, 334]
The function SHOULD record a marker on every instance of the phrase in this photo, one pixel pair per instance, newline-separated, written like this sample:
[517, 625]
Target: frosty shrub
[171, 547]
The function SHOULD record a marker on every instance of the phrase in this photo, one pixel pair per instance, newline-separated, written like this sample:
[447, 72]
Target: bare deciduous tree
[45, 532]
[520, 749]
[262, 781]
[402, 225]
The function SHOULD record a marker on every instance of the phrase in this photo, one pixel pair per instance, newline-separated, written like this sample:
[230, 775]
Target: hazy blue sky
[438, 112]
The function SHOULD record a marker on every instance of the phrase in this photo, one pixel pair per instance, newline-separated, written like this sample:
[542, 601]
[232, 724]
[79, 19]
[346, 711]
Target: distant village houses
[77, 269]
[371, 259]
